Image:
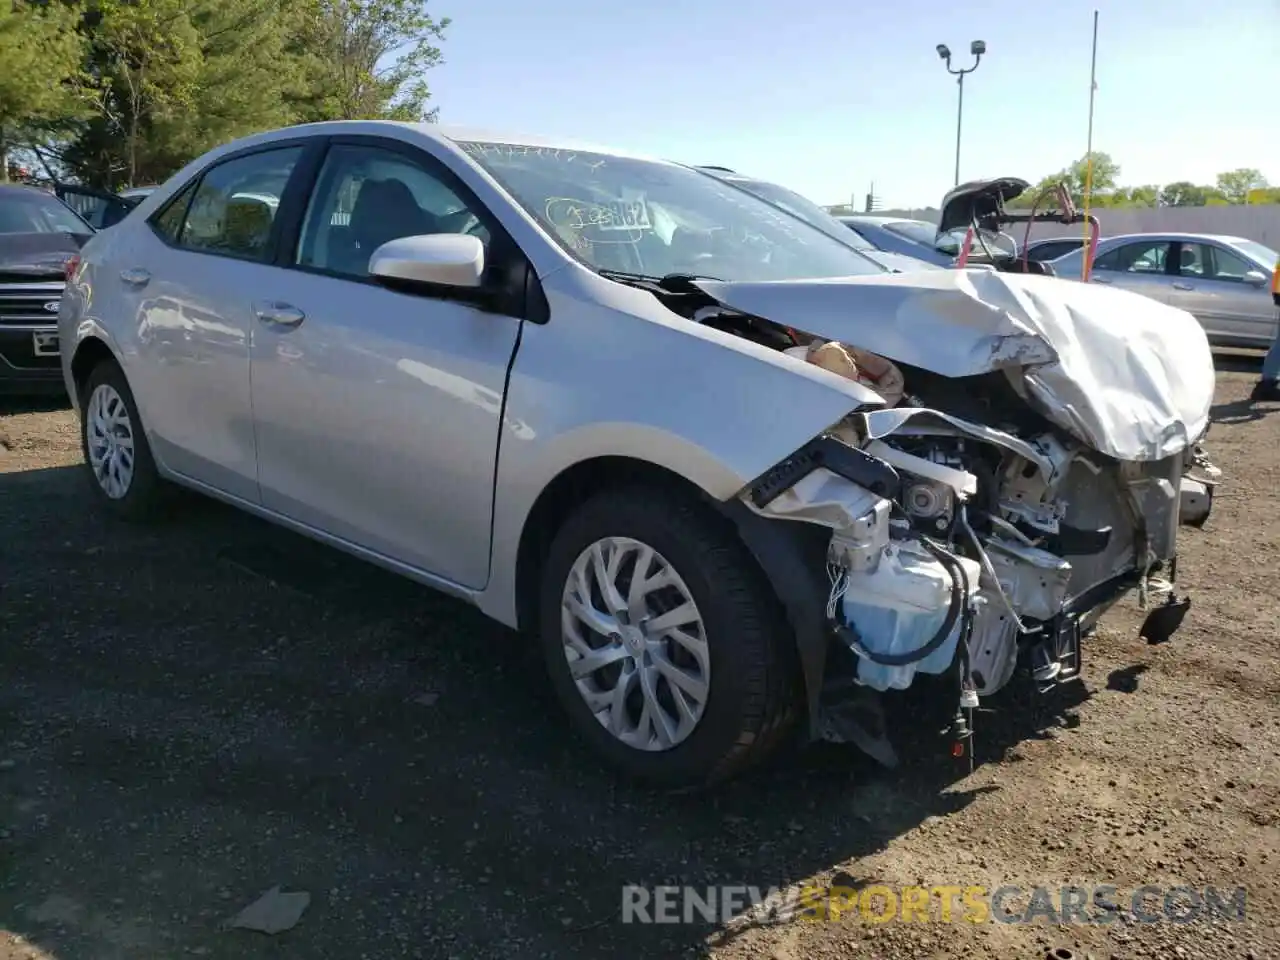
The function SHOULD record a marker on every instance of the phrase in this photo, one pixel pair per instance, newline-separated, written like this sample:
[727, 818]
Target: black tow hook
[1163, 622]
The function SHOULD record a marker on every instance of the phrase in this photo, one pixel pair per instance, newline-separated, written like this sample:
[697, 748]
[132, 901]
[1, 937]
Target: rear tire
[705, 579]
[117, 457]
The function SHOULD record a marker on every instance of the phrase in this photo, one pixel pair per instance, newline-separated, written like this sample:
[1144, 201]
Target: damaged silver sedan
[737, 480]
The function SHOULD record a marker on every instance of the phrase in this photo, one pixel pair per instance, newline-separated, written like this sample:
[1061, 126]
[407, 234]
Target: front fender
[630, 379]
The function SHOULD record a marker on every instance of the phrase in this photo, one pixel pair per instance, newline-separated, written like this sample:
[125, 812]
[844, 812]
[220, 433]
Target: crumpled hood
[1128, 375]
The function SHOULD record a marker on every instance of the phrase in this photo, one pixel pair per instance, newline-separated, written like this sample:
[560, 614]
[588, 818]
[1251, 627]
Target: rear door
[190, 277]
[1211, 284]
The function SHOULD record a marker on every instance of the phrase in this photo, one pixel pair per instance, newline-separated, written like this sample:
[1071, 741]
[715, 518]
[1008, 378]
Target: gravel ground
[194, 714]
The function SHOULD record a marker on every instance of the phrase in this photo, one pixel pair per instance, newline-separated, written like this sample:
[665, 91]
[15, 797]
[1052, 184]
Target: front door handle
[135, 277]
[275, 314]
[1183, 286]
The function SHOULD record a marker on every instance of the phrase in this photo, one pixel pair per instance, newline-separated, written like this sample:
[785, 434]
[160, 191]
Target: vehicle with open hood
[729, 474]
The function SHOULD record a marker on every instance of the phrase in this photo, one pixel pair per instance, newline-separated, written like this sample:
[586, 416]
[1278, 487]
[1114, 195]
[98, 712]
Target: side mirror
[438, 259]
[1256, 278]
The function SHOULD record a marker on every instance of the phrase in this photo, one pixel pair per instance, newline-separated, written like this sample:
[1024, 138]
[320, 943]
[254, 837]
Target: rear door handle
[1183, 286]
[135, 277]
[275, 314]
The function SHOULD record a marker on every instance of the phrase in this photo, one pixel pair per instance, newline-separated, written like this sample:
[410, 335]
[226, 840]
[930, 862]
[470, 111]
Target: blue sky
[827, 95]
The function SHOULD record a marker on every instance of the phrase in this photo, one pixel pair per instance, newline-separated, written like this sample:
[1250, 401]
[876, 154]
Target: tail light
[72, 265]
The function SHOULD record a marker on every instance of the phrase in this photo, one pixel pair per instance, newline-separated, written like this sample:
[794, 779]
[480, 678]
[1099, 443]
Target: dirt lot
[194, 714]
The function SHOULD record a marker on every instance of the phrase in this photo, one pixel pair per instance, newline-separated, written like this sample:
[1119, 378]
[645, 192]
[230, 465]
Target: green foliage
[41, 59]
[1237, 184]
[365, 59]
[1101, 179]
[1183, 193]
[147, 85]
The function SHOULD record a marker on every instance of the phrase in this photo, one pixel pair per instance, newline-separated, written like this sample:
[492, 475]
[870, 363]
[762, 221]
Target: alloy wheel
[109, 432]
[635, 643]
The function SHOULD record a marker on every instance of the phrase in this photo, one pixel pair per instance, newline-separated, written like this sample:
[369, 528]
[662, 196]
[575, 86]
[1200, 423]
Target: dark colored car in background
[39, 236]
[100, 208]
[912, 238]
[1052, 248]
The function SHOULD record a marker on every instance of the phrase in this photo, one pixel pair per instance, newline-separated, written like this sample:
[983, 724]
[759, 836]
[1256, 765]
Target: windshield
[654, 219]
[999, 244]
[1260, 252]
[35, 212]
[805, 209]
[916, 230]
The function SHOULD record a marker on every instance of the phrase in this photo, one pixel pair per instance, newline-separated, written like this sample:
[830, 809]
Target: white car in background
[729, 474]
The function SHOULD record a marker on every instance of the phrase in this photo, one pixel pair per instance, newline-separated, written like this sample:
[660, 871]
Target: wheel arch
[572, 486]
[89, 352]
[790, 556]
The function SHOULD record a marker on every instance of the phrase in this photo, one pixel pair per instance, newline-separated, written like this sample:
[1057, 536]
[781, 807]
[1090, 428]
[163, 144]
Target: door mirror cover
[1256, 278]
[438, 260]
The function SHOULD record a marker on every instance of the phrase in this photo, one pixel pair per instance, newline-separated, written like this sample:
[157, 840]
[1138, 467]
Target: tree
[245, 78]
[1147, 195]
[41, 52]
[1102, 180]
[168, 79]
[1183, 193]
[1236, 184]
[147, 58]
[176, 77]
[365, 59]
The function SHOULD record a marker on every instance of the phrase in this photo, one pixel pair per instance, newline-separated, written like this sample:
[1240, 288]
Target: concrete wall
[1260, 223]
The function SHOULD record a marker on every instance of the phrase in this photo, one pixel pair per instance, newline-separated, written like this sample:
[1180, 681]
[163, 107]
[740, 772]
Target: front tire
[663, 640]
[117, 456]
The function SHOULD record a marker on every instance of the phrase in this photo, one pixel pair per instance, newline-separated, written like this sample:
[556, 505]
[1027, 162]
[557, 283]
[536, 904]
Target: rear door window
[1142, 257]
[234, 207]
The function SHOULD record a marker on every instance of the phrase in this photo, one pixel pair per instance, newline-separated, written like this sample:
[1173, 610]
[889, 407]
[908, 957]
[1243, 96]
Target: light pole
[977, 48]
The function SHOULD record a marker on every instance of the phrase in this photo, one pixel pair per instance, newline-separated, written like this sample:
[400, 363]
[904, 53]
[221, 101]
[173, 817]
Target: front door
[1211, 285]
[377, 411]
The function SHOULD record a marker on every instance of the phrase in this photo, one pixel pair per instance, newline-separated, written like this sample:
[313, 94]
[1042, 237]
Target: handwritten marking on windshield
[624, 216]
[514, 150]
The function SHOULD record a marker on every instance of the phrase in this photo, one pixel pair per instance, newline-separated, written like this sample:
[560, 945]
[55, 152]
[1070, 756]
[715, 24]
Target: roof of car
[1175, 235]
[441, 133]
[878, 221]
[22, 189]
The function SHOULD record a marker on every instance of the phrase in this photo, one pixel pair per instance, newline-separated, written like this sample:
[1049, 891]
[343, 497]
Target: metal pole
[1088, 176]
[959, 120]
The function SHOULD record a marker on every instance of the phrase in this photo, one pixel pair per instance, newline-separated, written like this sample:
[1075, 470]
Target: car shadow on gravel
[38, 403]
[1237, 360]
[193, 713]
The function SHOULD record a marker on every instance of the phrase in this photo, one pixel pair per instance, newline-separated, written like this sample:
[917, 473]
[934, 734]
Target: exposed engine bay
[969, 534]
